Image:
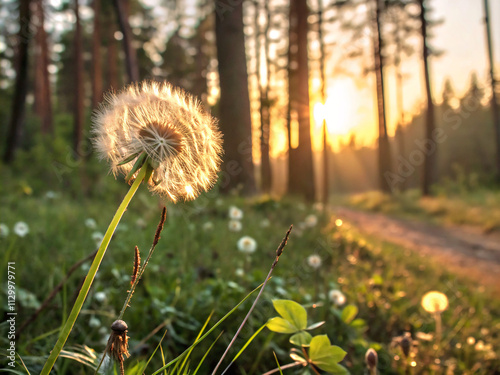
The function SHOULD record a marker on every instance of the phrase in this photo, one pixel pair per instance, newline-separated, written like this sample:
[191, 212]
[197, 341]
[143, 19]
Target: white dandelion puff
[434, 302]
[235, 213]
[100, 296]
[168, 127]
[90, 223]
[337, 297]
[21, 228]
[311, 221]
[4, 230]
[314, 261]
[247, 245]
[208, 226]
[234, 225]
[97, 237]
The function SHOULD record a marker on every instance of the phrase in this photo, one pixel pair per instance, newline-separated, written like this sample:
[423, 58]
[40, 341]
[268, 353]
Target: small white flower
[94, 322]
[51, 195]
[208, 226]
[247, 245]
[265, 223]
[97, 237]
[100, 296]
[235, 213]
[311, 221]
[314, 261]
[90, 223]
[21, 229]
[235, 225]
[4, 230]
[337, 297]
[239, 272]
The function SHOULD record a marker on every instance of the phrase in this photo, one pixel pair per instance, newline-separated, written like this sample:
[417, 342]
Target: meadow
[367, 293]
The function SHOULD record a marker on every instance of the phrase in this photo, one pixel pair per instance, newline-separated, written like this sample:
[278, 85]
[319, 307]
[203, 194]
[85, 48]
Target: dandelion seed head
[311, 221]
[314, 261]
[4, 230]
[434, 302]
[337, 297]
[234, 225]
[247, 245]
[235, 213]
[179, 137]
[21, 228]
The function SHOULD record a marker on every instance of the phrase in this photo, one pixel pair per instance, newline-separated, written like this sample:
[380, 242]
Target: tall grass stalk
[144, 173]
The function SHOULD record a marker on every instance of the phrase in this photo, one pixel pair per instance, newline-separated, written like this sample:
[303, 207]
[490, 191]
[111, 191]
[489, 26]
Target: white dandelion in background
[235, 213]
[234, 225]
[21, 229]
[208, 226]
[311, 221]
[337, 297]
[100, 296]
[4, 230]
[164, 126]
[239, 272]
[265, 223]
[97, 237]
[247, 245]
[94, 322]
[90, 223]
[434, 302]
[314, 261]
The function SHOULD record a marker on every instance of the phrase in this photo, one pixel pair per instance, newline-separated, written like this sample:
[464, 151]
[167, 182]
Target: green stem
[68, 326]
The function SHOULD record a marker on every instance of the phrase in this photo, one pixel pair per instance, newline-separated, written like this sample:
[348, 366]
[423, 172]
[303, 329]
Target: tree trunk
[322, 59]
[494, 104]
[43, 105]
[301, 172]
[113, 81]
[430, 155]
[78, 109]
[96, 56]
[16, 123]
[130, 54]
[384, 161]
[234, 109]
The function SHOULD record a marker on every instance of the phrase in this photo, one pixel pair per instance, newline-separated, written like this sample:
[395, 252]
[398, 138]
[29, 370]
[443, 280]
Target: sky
[462, 39]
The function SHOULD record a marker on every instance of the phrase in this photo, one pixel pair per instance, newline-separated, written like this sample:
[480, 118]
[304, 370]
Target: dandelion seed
[337, 297]
[314, 261]
[4, 230]
[235, 225]
[247, 245]
[235, 213]
[169, 127]
[311, 221]
[434, 302]
[21, 228]
[90, 223]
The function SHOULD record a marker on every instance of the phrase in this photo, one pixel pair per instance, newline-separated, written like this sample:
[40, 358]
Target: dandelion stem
[70, 322]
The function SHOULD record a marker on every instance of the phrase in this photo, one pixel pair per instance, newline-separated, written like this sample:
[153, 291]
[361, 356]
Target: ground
[463, 250]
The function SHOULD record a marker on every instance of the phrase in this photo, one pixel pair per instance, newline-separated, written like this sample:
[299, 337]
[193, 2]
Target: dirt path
[463, 251]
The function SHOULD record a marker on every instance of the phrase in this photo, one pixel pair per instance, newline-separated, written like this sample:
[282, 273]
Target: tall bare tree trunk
[301, 172]
[16, 123]
[96, 56]
[78, 108]
[113, 81]
[430, 155]
[43, 105]
[384, 161]
[130, 53]
[234, 109]
[326, 177]
[494, 104]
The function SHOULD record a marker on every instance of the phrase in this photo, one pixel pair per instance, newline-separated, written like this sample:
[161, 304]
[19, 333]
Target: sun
[340, 109]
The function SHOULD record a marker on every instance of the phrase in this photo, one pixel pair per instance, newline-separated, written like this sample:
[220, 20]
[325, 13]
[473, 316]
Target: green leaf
[358, 323]
[302, 338]
[324, 355]
[315, 325]
[293, 312]
[281, 325]
[349, 313]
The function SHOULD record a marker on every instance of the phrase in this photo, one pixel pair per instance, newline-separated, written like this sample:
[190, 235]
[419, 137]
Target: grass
[479, 208]
[197, 269]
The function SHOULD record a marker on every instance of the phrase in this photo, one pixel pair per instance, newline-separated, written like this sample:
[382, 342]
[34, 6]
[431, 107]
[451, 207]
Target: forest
[323, 176]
